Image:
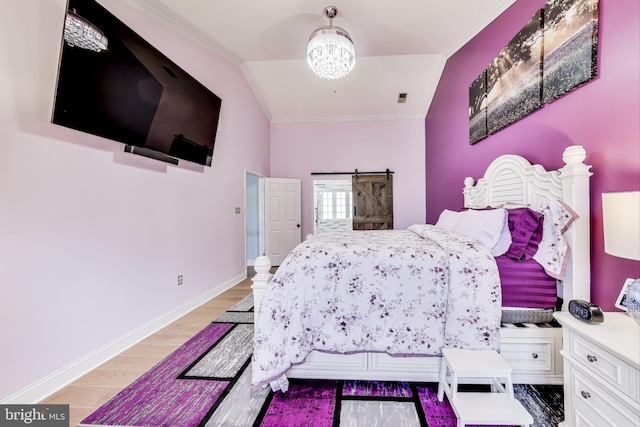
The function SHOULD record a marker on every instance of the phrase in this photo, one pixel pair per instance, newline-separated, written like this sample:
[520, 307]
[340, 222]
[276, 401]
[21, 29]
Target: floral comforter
[403, 292]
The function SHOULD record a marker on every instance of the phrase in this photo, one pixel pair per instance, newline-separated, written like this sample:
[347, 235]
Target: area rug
[206, 382]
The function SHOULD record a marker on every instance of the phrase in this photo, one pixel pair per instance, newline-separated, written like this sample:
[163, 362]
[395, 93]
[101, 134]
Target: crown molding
[480, 24]
[166, 16]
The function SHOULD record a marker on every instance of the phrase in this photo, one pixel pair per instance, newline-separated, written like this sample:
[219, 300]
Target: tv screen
[132, 93]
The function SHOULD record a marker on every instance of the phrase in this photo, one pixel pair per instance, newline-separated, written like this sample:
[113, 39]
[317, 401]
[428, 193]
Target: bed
[532, 348]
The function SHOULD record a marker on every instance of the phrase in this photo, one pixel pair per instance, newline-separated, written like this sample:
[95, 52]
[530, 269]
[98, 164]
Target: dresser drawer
[595, 407]
[602, 363]
[382, 362]
[534, 355]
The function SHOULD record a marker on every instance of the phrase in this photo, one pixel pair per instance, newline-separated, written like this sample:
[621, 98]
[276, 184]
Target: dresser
[601, 371]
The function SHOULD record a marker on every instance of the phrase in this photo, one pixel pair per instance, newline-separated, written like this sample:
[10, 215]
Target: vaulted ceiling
[401, 47]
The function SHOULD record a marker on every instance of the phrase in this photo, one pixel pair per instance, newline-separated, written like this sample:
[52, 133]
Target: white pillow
[485, 226]
[504, 241]
[448, 219]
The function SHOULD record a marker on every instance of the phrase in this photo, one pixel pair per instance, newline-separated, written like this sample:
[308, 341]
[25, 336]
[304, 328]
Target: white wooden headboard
[511, 178]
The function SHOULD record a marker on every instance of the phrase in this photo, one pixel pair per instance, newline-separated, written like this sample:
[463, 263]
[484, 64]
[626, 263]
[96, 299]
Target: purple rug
[206, 383]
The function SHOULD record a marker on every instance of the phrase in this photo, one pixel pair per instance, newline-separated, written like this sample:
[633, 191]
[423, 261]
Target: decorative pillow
[485, 226]
[553, 250]
[525, 226]
[448, 219]
[526, 284]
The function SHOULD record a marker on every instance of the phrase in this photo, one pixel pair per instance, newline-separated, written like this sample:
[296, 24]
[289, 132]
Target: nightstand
[601, 371]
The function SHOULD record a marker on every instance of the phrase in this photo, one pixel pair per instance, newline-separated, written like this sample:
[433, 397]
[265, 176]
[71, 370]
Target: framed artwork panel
[478, 108]
[621, 301]
[570, 46]
[514, 77]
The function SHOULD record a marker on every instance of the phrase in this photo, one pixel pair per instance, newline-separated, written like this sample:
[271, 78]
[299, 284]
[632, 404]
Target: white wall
[92, 239]
[298, 149]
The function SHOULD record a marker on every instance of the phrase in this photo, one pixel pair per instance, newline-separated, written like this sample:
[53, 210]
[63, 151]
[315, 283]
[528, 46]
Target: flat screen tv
[132, 93]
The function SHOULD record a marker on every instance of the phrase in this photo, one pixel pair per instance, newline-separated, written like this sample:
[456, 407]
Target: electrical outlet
[180, 279]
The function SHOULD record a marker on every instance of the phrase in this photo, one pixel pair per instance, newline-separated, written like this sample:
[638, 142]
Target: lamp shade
[330, 51]
[621, 223]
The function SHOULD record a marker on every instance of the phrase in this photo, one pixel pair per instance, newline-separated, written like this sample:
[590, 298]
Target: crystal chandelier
[330, 51]
[80, 32]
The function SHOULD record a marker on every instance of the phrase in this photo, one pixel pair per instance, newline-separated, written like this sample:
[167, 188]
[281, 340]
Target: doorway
[353, 202]
[332, 205]
[272, 216]
[254, 244]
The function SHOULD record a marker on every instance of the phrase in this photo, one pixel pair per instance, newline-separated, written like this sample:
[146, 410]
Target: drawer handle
[591, 358]
[534, 355]
[585, 394]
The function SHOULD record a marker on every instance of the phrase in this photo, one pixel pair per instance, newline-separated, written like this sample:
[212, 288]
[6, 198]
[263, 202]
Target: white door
[282, 217]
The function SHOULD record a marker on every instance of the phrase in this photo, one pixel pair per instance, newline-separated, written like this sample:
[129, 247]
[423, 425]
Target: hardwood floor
[95, 388]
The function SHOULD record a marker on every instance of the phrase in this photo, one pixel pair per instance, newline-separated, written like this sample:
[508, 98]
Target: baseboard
[48, 385]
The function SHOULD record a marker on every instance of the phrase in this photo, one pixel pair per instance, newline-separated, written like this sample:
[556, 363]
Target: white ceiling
[399, 48]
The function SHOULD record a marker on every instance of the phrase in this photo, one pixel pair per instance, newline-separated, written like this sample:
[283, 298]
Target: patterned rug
[206, 381]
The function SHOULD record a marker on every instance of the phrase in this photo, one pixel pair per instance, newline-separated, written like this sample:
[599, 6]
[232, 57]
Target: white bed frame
[532, 350]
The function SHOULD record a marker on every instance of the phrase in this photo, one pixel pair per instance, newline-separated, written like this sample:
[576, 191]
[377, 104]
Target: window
[342, 210]
[326, 200]
[335, 205]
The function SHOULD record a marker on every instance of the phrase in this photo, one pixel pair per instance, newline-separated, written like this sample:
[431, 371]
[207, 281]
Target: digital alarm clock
[586, 311]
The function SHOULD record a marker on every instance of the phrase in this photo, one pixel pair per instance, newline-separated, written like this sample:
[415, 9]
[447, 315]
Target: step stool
[496, 407]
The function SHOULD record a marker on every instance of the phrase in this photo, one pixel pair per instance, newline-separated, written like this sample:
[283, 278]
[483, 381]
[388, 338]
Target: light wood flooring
[92, 390]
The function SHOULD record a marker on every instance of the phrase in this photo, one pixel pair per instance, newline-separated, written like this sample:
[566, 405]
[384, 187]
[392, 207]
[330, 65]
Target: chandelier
[80, 32]
[330, 51]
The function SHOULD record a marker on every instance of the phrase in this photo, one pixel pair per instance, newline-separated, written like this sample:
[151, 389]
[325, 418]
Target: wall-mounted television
[132, 93]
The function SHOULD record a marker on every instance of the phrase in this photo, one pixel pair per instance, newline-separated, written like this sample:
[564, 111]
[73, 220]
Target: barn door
[372, 202]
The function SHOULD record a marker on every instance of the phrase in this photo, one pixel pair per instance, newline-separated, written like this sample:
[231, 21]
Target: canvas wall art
[514, 77]
[478, 108]
[570, 47]
[553, 54]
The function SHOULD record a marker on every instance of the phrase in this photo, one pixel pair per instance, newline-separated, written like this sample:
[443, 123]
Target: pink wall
[93, 239]
[603, 116]
[298, 149]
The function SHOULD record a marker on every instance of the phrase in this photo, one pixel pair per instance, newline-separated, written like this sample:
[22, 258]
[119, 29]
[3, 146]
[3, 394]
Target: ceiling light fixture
[330, 51]
[80, 32]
